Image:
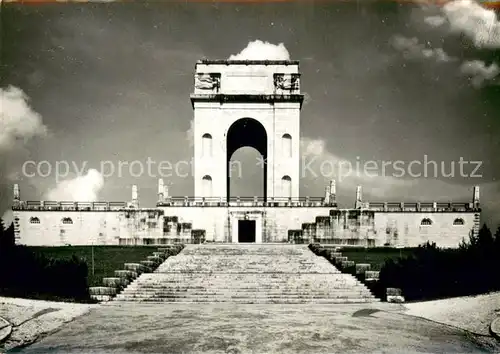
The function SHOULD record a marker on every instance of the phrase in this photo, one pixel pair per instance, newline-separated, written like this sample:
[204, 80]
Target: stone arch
[426, 222]
[34, 220]
[286, 144]
[246, 132]
[286, 186]
[206, 145]
[458, 222]
[207, 186]
[67, 221]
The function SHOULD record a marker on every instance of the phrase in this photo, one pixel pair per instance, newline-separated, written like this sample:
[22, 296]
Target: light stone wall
[405, 229]
[215, 118]
[276, 221]
[89, 227]
[254, 79]
[108, 227]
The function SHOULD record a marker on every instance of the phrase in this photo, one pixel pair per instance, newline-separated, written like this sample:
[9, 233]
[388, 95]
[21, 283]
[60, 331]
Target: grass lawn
[375, 256]
[107, 259]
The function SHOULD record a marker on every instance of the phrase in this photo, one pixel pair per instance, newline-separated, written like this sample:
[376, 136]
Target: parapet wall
[191, 220]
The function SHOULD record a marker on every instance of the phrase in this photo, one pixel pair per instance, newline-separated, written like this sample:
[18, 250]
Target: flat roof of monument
[247, 62]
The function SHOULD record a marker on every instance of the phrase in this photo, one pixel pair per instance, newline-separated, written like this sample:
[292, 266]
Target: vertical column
[258, 229]
[475, 198]
[358, 198]
[161, 190]
[327, 195]
[135, 197]
[234, 229]
[333, 192]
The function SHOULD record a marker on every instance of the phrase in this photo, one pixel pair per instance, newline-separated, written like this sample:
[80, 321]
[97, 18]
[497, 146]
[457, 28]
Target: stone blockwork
[122, 278]
[44, 226]
[196, 224]
[358, 227]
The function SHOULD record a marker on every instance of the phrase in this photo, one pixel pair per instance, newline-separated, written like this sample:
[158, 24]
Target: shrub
[432, 273]
[24, 273]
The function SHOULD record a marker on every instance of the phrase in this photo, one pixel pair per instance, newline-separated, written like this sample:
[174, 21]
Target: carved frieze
[286, 83]
[208, 82]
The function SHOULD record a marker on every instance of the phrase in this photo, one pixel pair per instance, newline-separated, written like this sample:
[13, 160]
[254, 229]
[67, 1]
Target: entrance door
[246, 231]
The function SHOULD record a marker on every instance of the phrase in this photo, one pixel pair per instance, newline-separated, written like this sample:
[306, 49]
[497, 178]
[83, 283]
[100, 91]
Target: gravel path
[32, 319]
[232, 328]
[472, 313]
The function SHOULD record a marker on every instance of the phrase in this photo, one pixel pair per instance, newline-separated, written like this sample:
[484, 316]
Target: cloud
[412, 49]
[259, 50]
[479, 73]
[383, 186]
[435, 21]
[18, 121]
[18, 124]
[82, 188]
[327, 166]
[479, 24]
[190, 133]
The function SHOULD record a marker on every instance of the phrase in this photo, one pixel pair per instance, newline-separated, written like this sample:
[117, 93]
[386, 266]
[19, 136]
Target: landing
[237, 328]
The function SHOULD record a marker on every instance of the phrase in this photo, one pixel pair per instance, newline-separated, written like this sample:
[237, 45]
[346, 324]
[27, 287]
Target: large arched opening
[246, 132]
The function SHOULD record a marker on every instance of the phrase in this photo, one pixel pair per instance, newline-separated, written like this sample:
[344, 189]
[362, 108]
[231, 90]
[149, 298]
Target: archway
[246, 132]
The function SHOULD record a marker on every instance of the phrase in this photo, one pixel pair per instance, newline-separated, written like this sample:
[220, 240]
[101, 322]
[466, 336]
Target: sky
[92, 84]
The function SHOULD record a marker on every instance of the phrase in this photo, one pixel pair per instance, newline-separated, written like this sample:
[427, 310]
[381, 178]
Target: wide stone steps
[247, 274]
[251, 301]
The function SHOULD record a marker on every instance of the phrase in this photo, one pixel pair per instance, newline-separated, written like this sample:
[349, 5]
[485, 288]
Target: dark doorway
[246, 231]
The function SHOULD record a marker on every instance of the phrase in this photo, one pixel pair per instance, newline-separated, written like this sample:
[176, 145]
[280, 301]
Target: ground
[107, 259]
[480, 311]
[29, 319]
[230, 328]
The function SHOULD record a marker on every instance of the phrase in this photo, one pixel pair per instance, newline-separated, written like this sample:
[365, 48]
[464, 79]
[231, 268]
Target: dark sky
[112, 82]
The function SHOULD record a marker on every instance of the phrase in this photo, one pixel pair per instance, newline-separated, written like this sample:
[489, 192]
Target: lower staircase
[247, 273]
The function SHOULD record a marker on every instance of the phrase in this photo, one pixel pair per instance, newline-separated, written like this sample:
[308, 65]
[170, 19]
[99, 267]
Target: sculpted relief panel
[207, 82]
[286, 83]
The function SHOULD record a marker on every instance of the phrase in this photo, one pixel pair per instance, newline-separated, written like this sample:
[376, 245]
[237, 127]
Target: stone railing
[419, 207]
[245, 202]
[69, 206]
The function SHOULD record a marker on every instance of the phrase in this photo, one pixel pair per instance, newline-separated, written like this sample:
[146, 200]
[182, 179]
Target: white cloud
[330, 166]
[82, 188]
[479, 73]
[435, 21]
[259, 50]
[379, 185]
[190, 133]
[481, 25]
[412, 49]
[18, 122]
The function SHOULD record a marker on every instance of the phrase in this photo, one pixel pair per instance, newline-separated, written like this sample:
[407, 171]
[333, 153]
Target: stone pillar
[166, 197]
[359, 198]
[161, 189]
[475, 198]
[434, 206]
[135, 197]
[17, 194]
[333, 192]
[327, 195]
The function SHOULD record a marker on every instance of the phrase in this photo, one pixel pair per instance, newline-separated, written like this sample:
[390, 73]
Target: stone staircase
[267, 273]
